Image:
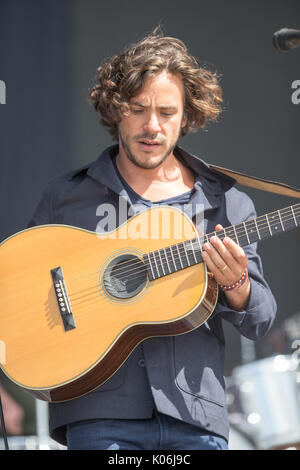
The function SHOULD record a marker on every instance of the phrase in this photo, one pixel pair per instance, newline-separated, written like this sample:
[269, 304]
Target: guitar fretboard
[176, 257]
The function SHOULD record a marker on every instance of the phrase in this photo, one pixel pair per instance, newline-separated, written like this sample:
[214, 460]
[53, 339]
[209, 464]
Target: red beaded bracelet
[237, 284]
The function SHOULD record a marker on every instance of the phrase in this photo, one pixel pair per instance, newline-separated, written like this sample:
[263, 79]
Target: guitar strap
[259, 183]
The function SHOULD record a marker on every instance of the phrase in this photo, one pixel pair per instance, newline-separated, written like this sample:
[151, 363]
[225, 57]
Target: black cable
[3, 426]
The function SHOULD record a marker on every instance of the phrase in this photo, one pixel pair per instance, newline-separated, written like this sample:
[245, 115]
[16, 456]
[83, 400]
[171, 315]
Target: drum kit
[263, 396]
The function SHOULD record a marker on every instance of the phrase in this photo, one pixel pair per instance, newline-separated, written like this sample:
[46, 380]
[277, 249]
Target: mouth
[149, 144]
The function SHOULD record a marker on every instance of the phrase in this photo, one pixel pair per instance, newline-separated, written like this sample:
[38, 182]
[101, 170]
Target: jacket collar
[209, 184]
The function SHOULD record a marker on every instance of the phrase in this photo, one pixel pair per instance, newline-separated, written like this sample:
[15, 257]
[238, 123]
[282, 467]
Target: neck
[169, 179]
[169, 171]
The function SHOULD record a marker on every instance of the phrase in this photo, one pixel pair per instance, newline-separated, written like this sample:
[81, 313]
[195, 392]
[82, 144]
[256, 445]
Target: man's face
[150, 132]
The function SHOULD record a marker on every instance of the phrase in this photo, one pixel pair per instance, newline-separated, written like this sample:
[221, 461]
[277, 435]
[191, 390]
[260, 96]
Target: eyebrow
[141, 105]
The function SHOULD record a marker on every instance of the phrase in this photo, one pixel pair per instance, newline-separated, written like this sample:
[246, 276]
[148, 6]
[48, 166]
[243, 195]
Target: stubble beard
[146, 164]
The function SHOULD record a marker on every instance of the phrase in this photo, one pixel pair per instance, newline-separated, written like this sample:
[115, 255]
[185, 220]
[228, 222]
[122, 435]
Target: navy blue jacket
[181, 376]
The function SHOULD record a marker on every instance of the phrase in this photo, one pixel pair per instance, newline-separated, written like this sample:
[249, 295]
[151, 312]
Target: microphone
[286, 39]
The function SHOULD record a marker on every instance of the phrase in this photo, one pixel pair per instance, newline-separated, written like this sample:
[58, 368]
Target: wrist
[237, 299]
[237, 284]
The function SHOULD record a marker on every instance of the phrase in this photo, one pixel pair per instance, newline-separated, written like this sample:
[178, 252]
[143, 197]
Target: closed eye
[139, 111]
[136, 111]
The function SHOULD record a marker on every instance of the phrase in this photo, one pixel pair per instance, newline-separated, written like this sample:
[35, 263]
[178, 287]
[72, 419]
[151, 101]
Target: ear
[184, 120]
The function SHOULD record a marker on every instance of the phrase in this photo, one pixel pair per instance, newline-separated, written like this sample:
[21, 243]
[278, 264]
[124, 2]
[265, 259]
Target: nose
[152, 124]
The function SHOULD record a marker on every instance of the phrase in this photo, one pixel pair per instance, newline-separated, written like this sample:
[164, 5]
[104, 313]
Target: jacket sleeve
[257, 318]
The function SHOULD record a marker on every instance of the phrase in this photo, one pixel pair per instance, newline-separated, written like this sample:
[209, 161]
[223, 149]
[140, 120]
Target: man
[170, 392]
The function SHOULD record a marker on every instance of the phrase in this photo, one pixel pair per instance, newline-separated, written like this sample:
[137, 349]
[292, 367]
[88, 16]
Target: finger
[215, 265]
[222, 276]
[228, 240]
[222, 257]
[229, 257]
[209, 263]
[236, 251]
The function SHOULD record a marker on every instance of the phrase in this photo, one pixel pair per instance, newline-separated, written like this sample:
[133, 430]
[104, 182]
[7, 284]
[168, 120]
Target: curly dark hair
[122, 77]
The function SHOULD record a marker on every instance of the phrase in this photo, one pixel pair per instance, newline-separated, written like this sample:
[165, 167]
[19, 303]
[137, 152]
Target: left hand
[227, 262]
[225, 259]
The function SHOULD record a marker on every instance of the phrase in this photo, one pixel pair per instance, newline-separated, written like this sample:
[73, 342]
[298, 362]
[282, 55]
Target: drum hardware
[264, 401]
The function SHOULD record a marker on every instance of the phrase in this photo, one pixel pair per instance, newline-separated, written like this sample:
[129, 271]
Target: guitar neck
[260, 228]
[168, 260]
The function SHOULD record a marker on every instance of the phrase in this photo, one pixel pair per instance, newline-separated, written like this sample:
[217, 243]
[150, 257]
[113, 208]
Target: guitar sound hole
[125, 276]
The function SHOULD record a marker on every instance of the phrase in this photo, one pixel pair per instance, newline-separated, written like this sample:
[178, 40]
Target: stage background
[49, 53]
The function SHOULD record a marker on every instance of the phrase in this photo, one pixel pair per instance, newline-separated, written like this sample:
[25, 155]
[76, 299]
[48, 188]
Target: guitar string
[195, 242]
[182, 250]
[141, 271]
[97, 298]
[206, 236]
[223, 232]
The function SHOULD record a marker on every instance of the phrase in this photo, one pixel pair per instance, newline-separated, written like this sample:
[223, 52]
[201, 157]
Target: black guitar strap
[259, 183]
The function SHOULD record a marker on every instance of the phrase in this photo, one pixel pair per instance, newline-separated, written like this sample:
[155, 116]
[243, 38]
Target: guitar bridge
[62, 298]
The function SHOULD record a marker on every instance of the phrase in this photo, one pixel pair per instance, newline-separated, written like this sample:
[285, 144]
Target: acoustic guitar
[75, 303]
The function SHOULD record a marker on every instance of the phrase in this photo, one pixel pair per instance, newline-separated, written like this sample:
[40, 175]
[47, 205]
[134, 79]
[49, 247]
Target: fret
[150, 264]
[293, 213]
[287, 219]
[229, 231]
[188, 253]
[297, 215]
[247, 236]
[165, 254]
[210, 235]
[257, 229]
[197, 250]
[235, 234]
[179, 257]
[252, 232]
[156, 267]
[275, 224]
[173, 260]
[161, 263]
[241, 234]
[280, 220]
[221, 234]
[176, 258]
[183, 256]
[192, 245]
[264, 227]
[268, 225]
[205, 239]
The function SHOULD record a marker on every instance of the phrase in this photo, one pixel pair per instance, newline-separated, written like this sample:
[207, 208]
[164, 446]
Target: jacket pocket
[199, 365]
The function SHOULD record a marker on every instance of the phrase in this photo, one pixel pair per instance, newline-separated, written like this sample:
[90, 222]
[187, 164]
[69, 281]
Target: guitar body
[57, 364]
